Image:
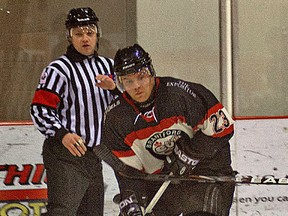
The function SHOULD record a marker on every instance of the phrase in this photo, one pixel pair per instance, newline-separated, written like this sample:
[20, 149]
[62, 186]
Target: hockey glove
[178, 162]
[129, 205]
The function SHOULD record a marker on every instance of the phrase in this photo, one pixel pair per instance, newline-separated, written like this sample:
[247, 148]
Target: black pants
[185, 197]
[190, 197]
[75, 184]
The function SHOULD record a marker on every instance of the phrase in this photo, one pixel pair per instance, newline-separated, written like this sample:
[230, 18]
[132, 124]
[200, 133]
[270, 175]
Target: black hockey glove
[129, 205]
[179, 162]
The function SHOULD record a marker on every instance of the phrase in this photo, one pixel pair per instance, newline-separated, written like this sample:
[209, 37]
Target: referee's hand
[75, 144]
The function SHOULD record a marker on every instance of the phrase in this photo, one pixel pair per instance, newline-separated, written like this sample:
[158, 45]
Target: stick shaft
[156, 197]
[263, 180]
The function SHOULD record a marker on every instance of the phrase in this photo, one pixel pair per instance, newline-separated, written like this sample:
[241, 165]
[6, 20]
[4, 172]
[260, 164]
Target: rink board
[259, 147]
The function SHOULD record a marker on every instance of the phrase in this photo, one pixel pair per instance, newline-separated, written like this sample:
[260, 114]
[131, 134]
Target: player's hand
[75, 144]
[128, 204]
[105, 82]
[179, 162]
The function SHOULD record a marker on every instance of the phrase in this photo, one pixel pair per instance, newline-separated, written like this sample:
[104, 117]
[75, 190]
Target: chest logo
[162, 143]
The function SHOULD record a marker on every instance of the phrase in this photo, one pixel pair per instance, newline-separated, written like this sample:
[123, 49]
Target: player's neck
[148, 104]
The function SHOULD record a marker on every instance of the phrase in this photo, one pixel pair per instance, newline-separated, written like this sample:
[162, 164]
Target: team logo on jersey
[162, 143]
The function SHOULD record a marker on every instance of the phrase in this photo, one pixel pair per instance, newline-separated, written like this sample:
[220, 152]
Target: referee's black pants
[75, 184]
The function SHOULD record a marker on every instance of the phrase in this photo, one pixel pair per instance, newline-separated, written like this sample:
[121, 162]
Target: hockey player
[169, 126]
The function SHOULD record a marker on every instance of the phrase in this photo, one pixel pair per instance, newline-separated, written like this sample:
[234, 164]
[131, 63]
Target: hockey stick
[268, 179]
[105, 154]
[239, 179]
[156, 197]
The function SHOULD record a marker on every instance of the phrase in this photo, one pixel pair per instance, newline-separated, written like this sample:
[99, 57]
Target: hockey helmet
[81, 17]
[131, 60]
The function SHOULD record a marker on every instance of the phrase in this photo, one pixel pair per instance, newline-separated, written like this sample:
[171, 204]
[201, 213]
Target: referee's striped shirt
[67, 98]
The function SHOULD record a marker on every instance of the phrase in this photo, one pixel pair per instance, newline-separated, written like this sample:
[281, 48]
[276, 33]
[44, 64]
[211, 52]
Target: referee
[68, 108]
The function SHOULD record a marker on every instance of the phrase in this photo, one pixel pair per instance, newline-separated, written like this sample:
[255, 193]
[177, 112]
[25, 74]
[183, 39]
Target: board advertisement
[259, 148]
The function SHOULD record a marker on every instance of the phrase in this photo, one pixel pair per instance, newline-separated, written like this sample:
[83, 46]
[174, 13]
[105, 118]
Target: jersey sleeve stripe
[211, 111]
[120, 154]
[224, 132]
[217, 122]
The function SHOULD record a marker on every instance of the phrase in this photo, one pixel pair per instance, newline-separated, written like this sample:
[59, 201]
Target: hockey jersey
[181, 109]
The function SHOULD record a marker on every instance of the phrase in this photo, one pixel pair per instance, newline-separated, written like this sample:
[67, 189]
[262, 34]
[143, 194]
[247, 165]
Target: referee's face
[84, 39]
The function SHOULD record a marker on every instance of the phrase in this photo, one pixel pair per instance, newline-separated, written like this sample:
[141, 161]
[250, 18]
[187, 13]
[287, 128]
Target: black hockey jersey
[181, 109]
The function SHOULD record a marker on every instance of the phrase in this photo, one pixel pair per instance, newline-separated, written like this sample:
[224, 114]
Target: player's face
[138, 85]
[84, 39]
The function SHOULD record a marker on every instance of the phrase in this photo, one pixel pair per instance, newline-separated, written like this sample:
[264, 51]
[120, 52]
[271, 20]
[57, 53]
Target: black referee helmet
[81, 17]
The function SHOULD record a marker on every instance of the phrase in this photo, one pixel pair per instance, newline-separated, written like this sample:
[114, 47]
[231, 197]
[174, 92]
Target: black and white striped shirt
[67, 98]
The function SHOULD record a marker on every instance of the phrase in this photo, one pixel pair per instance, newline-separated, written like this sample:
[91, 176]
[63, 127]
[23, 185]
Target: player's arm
[212, 128]
[132, 197]
[113, 139]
